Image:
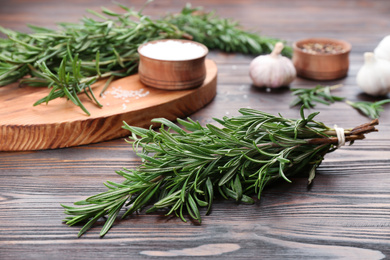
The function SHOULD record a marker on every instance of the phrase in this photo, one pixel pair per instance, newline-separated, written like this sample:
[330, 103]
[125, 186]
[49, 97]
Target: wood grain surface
[60, 123]
[344, 215]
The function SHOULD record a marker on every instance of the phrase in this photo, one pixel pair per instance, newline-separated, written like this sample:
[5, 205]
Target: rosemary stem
[335, 86]
[361, 129]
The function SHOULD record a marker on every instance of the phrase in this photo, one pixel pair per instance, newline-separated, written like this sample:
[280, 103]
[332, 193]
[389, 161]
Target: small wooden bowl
[321, 66]
[172, 72]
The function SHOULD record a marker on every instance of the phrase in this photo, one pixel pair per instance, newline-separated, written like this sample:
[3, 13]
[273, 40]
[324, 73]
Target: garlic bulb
[272, 70]
[382, 51]
[374, 77]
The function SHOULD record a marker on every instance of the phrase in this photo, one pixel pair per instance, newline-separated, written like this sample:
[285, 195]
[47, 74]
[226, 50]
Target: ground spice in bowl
[322, 48]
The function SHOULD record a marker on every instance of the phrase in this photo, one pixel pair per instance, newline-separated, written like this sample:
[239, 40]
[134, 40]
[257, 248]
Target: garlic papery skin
[382, 51]
[374, 76]
[272, 70]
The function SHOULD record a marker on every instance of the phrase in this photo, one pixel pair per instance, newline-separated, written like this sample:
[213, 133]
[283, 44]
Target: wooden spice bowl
[332, 62]
[174, 69]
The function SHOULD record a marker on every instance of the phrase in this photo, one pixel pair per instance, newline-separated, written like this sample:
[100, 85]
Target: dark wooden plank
[344, 215]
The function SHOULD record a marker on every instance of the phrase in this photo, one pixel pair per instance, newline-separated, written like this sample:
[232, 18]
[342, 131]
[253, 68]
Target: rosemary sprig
[106, 47]
[183, 169]
[369, 109]
[308, 98]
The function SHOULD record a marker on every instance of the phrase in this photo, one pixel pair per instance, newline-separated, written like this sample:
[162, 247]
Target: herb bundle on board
[69, 60]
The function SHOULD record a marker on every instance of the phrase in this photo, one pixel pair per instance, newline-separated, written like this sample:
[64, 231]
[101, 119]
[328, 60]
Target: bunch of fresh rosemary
[70, 59]
[309, 97]
[223, 34]
[183, 170]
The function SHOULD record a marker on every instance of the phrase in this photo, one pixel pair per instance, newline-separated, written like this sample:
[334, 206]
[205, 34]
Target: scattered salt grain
[123, 94]
[172, 50]
[118, 92]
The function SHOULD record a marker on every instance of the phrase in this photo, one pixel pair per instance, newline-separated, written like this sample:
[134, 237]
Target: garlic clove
[382, 51]
[374, 76]
[272, 70]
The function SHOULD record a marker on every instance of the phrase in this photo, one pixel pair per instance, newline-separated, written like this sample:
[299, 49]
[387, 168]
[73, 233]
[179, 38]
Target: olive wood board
[60, 123]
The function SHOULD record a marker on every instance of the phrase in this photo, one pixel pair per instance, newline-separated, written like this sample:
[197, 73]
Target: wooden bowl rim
[346, 46]
[206, 50]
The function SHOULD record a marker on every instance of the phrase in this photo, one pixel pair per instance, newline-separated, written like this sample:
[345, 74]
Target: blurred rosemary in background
[69, 60]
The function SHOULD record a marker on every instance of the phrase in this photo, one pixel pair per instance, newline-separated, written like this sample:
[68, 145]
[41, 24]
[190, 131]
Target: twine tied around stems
[340, 136]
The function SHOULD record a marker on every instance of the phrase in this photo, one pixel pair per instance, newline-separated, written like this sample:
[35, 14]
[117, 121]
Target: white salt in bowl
[172, 64]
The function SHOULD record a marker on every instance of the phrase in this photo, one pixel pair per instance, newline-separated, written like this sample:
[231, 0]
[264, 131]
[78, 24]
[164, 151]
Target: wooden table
[345, 214]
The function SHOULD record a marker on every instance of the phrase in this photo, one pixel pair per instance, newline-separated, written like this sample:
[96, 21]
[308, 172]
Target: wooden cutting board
[60, 123]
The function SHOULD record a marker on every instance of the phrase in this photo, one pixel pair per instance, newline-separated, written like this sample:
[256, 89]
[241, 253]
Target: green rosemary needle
[106, 47]
[184, 168]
